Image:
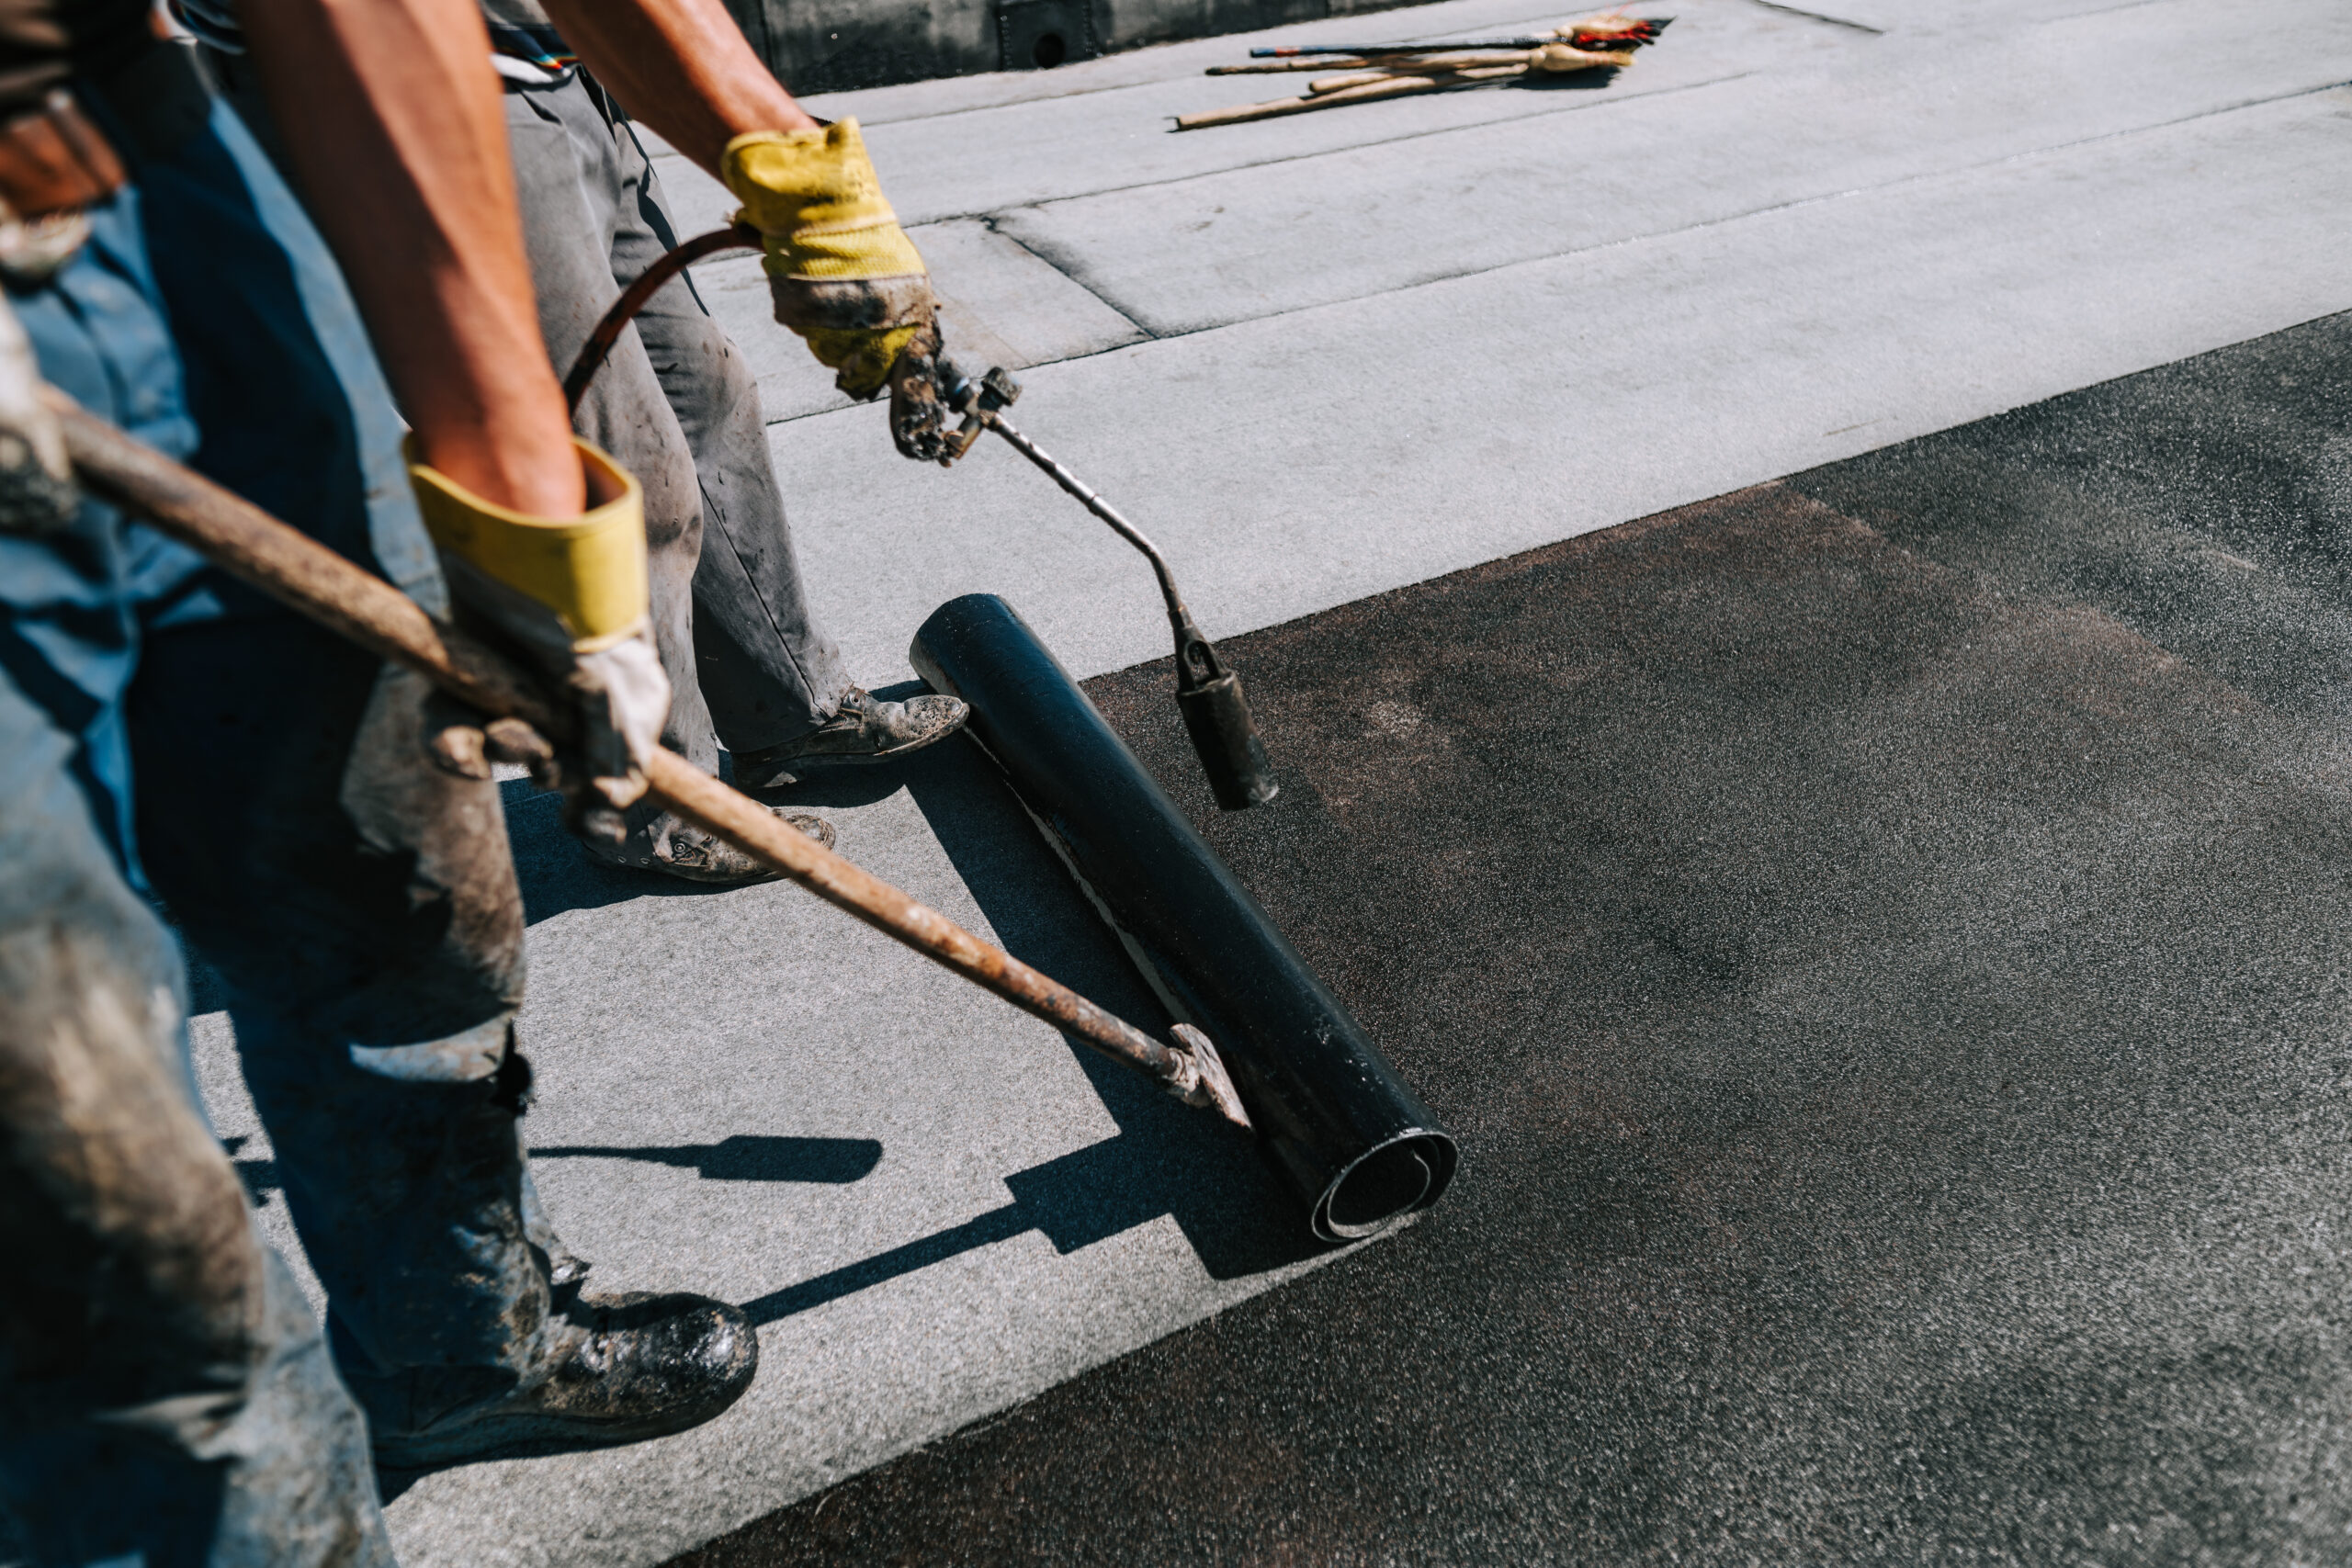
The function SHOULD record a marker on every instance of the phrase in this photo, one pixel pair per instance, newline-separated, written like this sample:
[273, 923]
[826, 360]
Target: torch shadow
[1166, 1161]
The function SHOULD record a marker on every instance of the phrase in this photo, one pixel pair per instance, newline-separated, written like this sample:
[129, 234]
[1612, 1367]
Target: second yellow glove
[845, 277]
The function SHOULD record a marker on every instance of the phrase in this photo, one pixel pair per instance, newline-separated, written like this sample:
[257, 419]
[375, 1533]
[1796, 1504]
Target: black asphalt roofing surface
[1879, 939]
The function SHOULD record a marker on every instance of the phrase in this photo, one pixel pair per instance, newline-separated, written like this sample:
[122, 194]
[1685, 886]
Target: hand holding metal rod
[1207, 694]
[246, 542]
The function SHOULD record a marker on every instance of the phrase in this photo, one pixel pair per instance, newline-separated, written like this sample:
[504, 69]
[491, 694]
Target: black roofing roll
[1359, 1147]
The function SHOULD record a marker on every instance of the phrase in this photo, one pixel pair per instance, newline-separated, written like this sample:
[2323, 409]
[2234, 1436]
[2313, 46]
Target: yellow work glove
[845, 276]
[571, 593]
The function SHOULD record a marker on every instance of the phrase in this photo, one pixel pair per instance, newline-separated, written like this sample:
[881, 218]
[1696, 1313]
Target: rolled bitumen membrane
[1358, 1147]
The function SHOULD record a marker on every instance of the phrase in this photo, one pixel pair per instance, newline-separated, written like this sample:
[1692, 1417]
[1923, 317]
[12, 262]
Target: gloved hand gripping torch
[851, 284]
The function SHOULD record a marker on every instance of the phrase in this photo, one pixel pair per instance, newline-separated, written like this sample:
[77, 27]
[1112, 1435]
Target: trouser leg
[594, 220]
[769, 671]
[567, 196]
[163, 1389]
[360, 905]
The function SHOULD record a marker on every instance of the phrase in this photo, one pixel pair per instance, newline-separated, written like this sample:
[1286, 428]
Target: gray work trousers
[676, 405]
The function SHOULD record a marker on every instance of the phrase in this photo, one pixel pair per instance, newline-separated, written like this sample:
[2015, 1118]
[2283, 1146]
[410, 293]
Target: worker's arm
[397, 135]
[845, 276]
[393, 122]
[682, 67]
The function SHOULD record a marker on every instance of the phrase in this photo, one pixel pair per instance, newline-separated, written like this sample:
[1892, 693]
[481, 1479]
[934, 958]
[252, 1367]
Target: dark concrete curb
[834, 45]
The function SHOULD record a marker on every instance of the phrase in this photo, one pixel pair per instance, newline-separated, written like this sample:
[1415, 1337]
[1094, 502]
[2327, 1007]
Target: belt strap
[69, 154]
[54, 159]
[69, 151]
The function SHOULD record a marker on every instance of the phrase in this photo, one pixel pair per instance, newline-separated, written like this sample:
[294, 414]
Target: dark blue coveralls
[164, 1394]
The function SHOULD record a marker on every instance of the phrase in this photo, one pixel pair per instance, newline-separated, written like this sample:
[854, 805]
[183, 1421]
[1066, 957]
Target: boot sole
[860, 759]
[712, 879]
[527, 1436]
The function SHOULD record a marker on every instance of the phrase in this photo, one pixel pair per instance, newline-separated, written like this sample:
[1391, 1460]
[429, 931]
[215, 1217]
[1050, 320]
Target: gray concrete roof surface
[1880, 937]
[1318, 358]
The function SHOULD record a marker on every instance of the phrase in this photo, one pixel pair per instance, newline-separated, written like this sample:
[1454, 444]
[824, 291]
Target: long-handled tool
[1606, 42]
[1297, 51]
[1612, 29]
[245, 541]
[1331, 91]
[1216, 715]
[1467, 60]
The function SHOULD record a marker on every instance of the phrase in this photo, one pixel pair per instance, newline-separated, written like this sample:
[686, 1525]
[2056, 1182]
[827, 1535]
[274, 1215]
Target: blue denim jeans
[165, 729]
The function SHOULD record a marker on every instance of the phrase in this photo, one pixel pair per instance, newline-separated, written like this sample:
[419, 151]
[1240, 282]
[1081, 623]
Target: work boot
[694, 856]
[865, 729]
[622, 1369]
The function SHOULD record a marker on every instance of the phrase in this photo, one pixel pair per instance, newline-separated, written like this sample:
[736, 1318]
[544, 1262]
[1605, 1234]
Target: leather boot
[865, 729]
[693, 855]
[621, 1368]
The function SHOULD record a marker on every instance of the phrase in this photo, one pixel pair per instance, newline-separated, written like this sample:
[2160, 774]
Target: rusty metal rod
[1627, 32]
[1394, 87]
[248, 543]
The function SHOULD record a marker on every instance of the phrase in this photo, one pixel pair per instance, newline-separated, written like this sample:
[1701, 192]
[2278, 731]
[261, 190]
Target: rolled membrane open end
[1384, 1186]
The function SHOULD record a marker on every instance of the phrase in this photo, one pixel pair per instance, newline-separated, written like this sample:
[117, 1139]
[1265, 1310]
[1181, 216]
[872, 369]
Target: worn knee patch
[135, 1273]
[484, 1053]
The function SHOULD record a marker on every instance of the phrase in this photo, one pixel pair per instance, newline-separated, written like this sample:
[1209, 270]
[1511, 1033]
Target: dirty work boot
[622, 1369]
[865, 729]
[693, 855]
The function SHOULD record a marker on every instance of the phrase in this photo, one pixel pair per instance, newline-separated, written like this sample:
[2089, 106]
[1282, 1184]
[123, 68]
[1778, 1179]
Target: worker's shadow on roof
[1167, 1160]
[746, 1157]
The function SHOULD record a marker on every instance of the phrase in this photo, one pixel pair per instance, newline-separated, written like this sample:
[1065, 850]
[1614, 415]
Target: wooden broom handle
[299, 571]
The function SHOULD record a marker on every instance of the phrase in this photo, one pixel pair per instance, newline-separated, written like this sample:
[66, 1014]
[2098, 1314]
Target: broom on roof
[1387, 71]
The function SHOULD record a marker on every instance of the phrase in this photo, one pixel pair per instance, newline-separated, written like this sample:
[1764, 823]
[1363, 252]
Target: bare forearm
[394, 127]
[682, 67]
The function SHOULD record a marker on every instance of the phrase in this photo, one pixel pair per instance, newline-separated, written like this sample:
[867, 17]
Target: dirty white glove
[37, 490]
